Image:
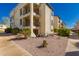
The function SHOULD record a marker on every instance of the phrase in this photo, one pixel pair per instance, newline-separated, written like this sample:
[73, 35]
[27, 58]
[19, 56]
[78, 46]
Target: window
[10, 19]
[27, 22]
[20, 12]
[36, 22]
[20, 21]
[26, 10]
[51, 22]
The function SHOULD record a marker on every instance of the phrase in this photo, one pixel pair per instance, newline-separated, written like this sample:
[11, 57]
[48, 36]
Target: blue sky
[5, 9]
[68, 12]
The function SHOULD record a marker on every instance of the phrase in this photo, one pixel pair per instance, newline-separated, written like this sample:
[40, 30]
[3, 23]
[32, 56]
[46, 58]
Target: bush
[8, 30]
[56, 30]
[77, 33]
[15, 31]
[63, 32]
[44, 44]
[26, 32]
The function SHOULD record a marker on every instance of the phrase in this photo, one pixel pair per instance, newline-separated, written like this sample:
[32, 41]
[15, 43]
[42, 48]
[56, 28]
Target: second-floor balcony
[36, 22]
[26, 22]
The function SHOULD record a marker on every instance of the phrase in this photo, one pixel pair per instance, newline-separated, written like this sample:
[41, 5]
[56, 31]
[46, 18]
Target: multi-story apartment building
[37, 17]
[62, 25]
[58, 23]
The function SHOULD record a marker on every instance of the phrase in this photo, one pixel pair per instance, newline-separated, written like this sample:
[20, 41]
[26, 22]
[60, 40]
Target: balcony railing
[37, 24]
[26, 11]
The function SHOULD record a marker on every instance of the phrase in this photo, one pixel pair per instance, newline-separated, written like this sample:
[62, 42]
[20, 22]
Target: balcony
[36, 8]
[35, 14]
[36, 22]
[26, 22]
[26, 9]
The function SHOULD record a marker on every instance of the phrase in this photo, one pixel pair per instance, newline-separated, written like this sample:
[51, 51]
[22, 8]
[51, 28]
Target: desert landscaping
[56, 46]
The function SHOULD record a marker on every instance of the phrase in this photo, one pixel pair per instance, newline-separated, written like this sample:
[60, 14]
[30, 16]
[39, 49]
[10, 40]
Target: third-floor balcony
[25, 11]
[36, 8]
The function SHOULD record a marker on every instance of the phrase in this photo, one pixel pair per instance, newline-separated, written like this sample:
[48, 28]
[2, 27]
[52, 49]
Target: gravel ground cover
[56, 45]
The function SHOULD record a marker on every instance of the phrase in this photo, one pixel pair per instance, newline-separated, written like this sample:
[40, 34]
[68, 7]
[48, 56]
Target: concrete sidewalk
[72, 50]
[73, 39]
[71, 47]
[9, 48]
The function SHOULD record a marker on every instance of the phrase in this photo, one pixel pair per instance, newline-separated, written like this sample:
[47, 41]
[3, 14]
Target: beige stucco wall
[48, 13]
[42, 19]
[45, 19]
[52, 21]
[56, 22]
[16, 18]
[16, 13]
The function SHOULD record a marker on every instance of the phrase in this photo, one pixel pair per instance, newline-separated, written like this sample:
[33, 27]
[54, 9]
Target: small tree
[77, 33]
[55, 30]
[26, 32]
[15, 31]
[44, 44]
[63, 32]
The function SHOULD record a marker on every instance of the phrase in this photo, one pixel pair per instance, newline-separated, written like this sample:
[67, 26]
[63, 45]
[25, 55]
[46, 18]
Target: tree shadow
[13, 39]
[73, 53]
[40, 46]
[5, 34]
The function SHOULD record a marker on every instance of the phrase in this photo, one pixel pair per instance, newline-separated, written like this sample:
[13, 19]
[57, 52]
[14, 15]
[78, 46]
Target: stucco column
[31, 19]
[22, 26]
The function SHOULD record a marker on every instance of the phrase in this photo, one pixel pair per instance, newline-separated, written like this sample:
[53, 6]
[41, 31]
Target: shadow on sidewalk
[13, 39]
[73, 53]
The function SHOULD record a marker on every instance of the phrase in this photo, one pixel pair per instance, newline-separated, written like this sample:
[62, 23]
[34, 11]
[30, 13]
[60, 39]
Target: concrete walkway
[9, 48]
[71, 47]
[72, 50]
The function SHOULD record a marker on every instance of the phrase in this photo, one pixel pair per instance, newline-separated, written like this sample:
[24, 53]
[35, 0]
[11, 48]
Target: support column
[31, 20]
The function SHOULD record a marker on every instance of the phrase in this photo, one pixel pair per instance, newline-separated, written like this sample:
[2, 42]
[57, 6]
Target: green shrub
[56, 30]
[15, 31]
[8, 30]
[64, 32]
[44, 44]
[26, 32]
[77, 33]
